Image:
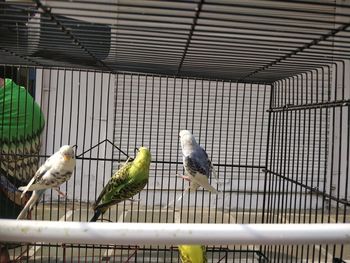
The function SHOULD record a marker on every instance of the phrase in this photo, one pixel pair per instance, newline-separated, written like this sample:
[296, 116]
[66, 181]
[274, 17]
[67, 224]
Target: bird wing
[37, 177]
[124, 168]
[211, 167]
[195, 165]
[199, 170]
[119, 188]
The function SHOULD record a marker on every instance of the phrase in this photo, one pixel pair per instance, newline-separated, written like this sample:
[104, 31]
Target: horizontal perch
[172, 234]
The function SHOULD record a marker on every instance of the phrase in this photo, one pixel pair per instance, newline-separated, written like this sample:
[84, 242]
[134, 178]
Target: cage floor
[149, 253]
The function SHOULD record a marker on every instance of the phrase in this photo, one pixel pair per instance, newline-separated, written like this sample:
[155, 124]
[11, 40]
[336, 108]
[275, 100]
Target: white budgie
[54, 172]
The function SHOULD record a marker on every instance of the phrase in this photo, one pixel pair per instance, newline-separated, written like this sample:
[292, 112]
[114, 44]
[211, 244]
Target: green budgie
[192, 253]
[129, 180]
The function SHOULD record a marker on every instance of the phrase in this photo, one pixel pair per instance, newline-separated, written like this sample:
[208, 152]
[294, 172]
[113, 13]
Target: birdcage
[262, 85]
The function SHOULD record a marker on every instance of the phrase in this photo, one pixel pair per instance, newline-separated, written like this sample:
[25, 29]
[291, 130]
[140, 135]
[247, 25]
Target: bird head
[185, 135]
[143, 155]
[67, 152]
[192, 253]
[187, 139]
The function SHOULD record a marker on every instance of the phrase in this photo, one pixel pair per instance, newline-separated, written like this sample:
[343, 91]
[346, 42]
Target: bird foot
[185, 177]
[61, 193]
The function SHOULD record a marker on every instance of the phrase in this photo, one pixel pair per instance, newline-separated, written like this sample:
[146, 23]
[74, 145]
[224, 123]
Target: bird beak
[66, 157]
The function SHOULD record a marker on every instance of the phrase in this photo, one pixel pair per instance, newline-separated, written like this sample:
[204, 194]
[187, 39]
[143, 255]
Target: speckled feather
[193, 164]
[129, 180]
[55, 171]
[120, 187]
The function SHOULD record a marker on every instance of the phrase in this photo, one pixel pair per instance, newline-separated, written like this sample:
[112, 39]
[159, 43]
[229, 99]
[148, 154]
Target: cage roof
[247, 41]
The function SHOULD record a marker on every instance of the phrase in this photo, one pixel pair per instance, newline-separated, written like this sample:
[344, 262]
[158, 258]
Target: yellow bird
[192, 253]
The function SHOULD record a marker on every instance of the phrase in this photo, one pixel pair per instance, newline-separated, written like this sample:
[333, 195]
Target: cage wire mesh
[263, 86]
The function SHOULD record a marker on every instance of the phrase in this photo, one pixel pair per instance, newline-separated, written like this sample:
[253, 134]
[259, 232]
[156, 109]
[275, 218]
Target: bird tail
[26, 188]
[216, 176]
[213, 170]
[96, 215]
[31, 188]
[184, 193]
[35, 198]
[210, 188]
[203, 181]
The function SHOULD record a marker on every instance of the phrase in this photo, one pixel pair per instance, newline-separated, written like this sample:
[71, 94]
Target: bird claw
[61, 193]
[185, 177]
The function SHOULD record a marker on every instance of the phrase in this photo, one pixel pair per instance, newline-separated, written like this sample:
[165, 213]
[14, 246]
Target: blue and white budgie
[196, 163]
[54, 172]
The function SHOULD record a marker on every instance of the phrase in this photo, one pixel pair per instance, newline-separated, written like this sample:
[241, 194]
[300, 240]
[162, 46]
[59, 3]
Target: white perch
[172, 234]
